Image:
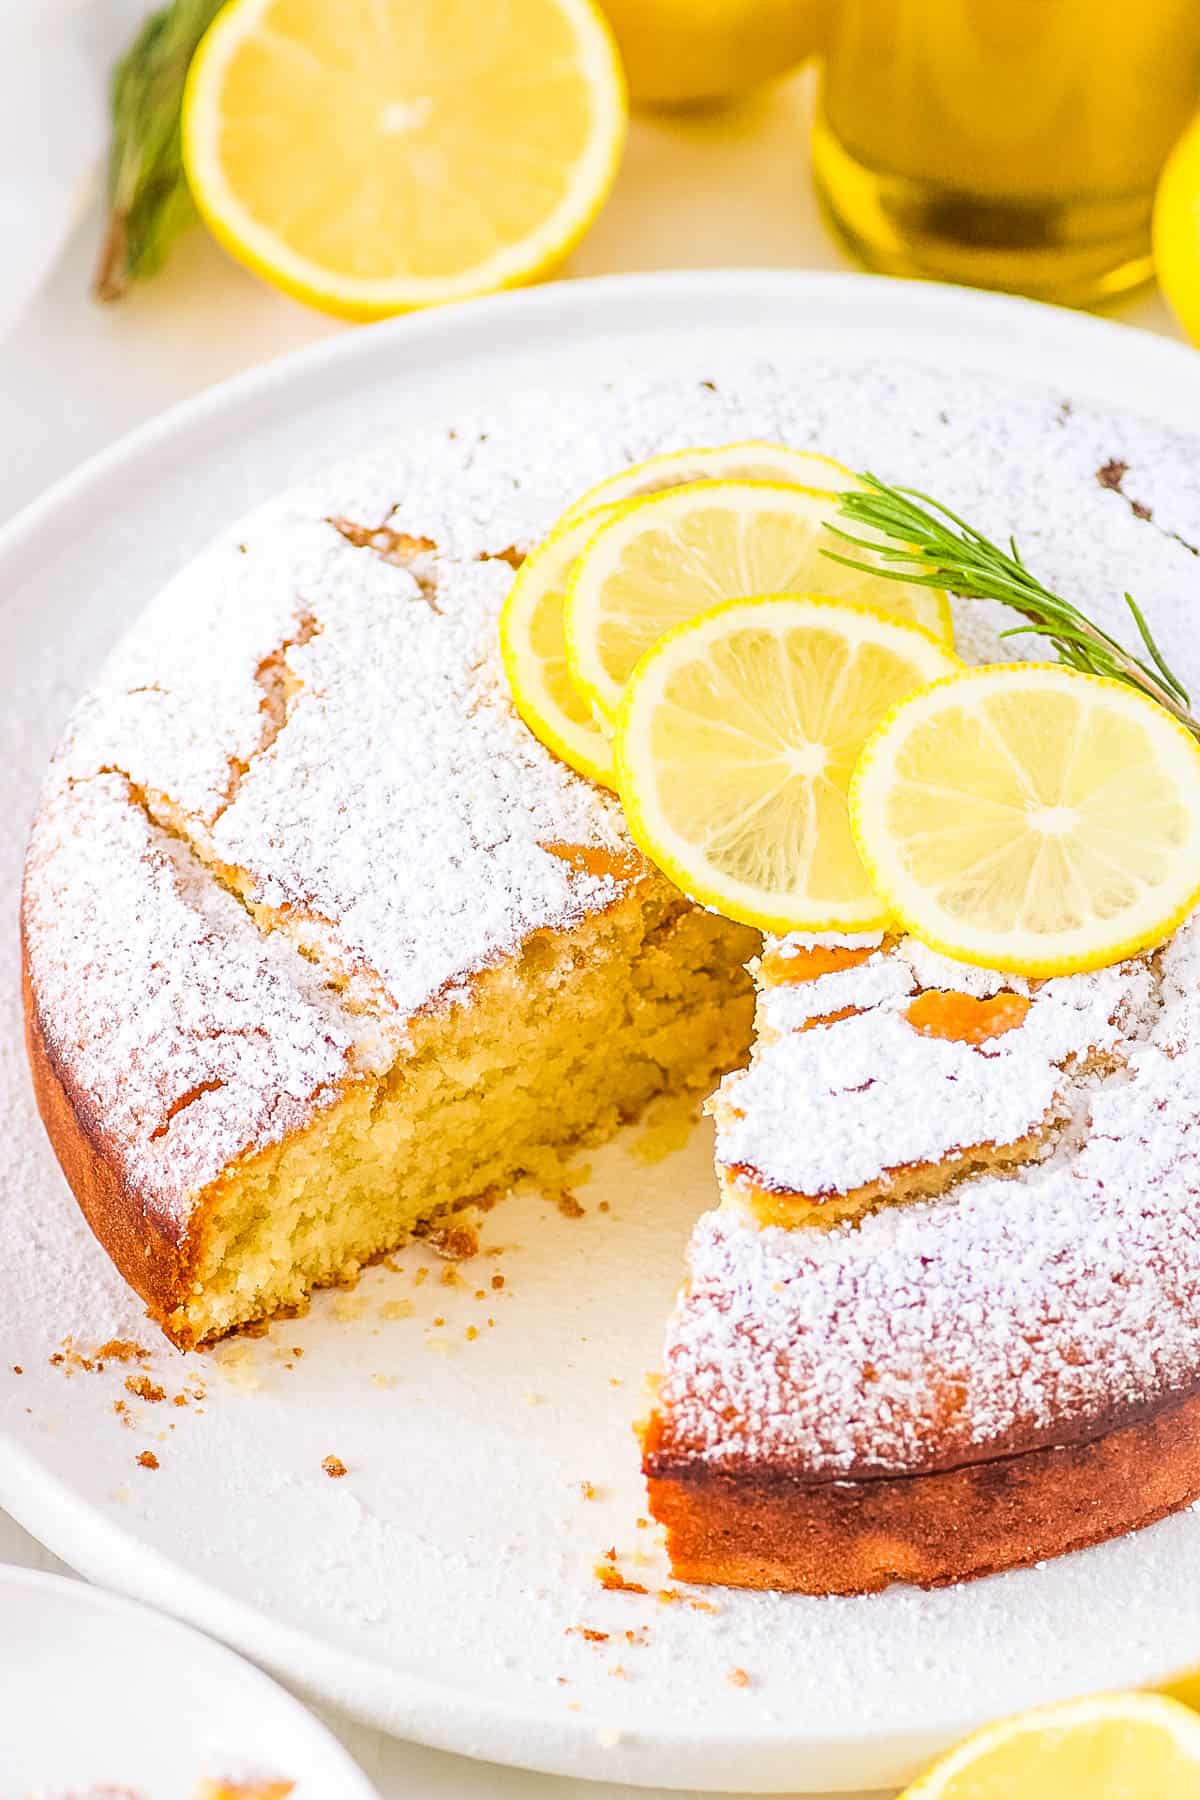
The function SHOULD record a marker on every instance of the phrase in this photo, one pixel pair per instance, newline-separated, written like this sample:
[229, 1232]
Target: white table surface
[705, 190]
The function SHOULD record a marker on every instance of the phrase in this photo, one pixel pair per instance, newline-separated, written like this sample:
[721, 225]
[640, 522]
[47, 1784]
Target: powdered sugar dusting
[1006, 1313]
[335, 729]
[187, 1037]
[832, 1107]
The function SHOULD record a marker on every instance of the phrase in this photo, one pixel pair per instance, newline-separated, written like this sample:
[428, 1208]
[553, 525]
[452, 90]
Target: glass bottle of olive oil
[1005, 143]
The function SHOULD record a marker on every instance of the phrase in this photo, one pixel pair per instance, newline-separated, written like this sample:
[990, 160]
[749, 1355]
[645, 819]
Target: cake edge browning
[153, 1259]
[775, 1530]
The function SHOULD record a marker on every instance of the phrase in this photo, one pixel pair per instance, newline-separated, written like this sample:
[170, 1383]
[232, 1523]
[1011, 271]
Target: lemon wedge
[673, 555]
[384, 154]
[534, 652]
[735, 742]
[749, 461]
[1177, 231]
[1030, 818]
[1106, 1747]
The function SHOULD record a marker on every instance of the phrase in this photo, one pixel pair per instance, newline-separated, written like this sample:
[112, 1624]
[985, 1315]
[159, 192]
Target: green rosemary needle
[149, 202]
[931, 546]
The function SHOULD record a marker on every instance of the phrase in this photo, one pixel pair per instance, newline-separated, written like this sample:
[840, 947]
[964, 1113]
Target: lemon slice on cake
[383, 154]
[735, 742]
[1031, 818]
[667, 558]
[534, 652]
[1105, 1747]
[749, 461]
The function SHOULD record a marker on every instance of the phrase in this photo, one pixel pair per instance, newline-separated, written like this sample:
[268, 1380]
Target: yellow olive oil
[1005, 143]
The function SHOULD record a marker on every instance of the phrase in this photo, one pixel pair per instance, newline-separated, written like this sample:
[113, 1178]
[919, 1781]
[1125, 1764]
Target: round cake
[320, 942]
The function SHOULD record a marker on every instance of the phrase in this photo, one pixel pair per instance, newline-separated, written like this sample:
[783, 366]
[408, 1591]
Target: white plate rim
[163, 1625]
[1144, 372]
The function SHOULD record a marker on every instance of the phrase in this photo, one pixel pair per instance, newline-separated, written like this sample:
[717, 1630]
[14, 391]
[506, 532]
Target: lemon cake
[319, 940]
[946, 1318]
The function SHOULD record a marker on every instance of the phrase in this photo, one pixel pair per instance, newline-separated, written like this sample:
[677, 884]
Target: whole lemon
[1177, 231]
[678, 52]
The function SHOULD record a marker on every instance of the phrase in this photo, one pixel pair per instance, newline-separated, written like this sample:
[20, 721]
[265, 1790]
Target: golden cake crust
[763, 1529]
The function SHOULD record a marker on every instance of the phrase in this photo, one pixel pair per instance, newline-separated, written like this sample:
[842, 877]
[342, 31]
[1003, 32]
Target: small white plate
[97, 1692]
[439, 1590]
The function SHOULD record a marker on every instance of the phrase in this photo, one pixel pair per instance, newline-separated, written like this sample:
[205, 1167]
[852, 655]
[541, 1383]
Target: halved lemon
[1105, 1747]
[534, 652]
[676, 554]
[384, 154]
[749, 461]
[1031, 818]
[735, 743]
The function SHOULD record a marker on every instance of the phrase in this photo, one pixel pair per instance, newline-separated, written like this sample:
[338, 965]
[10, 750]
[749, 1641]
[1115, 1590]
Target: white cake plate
[441, 1589]
[99, 1694]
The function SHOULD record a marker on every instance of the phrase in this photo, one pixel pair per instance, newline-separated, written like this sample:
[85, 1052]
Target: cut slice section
[676, 554]
[1107, 1747]
[749, 461]
[384, 154]
[735, 743]
[1030, 818]
[534, 651]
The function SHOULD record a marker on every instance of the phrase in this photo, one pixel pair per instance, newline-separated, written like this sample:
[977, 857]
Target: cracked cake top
[306, 744]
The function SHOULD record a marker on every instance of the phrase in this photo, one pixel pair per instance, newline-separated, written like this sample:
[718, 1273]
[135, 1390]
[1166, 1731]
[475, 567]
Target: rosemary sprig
[149, 202]
[928, 544]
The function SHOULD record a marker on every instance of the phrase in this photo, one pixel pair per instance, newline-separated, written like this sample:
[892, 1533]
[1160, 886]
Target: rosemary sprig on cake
[933, 547]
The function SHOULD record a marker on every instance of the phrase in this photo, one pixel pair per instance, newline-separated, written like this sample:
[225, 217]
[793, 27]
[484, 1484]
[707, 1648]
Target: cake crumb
[144, 1389]
[534, 1399]
[385, 1381]
[568, 1205]
[588, 1633]
[738, 1678]
[349, 1307]
[457, 1243]
[449, 1276]
[146, 1459]
[497, 1282]
[440, 1319]
[179, 1400]
[642, 1524]
[615, 1381]
[613, 1580]
[471, 1333]
[121, 1350]
[420, 1275]
[618, 1672]
[589, 1490]
[334, 1467]
[397, 1309]
[17, 1369]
